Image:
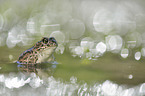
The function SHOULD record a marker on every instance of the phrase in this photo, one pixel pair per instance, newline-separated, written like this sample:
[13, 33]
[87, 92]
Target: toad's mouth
[49, 50]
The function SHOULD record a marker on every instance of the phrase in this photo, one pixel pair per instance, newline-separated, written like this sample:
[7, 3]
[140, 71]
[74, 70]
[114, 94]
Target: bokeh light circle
[103, 21]
[87, 42]
[1, 21]
[75, 28]
[60, 49]
[124, 53]
[101, 47]
[143, 51]
[137, 55]
[79, 50]
[114, 43]
[59, 36]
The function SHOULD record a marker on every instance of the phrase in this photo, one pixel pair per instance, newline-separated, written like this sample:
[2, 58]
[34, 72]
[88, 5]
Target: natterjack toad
[41, 52]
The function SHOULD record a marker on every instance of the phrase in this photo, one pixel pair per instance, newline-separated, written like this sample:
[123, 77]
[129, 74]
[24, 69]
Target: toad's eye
[45, 40]
[52, 39]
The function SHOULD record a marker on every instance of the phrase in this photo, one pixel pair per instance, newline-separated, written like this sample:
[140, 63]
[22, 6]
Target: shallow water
[109, 75]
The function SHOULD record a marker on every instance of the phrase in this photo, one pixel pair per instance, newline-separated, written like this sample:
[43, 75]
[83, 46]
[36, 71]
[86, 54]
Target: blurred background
[86, 28]
[100, 41]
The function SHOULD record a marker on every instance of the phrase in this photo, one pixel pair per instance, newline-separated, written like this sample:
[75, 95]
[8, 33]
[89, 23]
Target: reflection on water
[28, 67]
[20, 85]
[37, 68]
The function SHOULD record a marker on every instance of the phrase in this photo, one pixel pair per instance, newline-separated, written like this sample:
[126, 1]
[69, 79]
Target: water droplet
[130, 76]
[87, 43]
[109, 88]
[79, 50]
[15, 82]
[137, 55]
[124, 53]
[101, 47]
[133, 39]
[11, 57]
[114, 43]
[142, 89]
[143, 52]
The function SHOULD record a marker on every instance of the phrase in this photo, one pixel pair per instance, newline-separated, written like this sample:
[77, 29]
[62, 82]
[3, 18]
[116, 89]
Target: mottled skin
[41, 52]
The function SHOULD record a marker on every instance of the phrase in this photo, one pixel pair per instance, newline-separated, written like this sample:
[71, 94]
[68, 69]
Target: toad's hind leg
[23, 59]
[27, 57]
[33, 57]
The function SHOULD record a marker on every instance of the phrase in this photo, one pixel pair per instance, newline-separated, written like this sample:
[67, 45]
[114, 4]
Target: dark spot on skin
[51, 39]
[20, 58]
[45, 40]
[27, 52]
[48, 45]
[20, 61]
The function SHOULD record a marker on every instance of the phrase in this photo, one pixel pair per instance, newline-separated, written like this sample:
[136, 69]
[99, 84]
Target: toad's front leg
[51, 58]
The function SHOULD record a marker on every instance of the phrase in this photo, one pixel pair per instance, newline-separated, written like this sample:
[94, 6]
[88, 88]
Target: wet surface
[72, 74]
